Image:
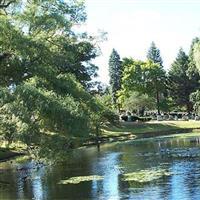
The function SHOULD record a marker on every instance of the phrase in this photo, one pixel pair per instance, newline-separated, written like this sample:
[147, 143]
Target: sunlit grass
[148, 127]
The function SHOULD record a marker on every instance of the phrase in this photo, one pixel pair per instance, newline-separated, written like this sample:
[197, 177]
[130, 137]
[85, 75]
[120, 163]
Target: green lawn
[149, 127]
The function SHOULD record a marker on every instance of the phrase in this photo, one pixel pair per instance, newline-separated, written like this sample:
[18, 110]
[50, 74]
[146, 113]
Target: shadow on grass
[146, 129]
[6, 154]
[140, 127]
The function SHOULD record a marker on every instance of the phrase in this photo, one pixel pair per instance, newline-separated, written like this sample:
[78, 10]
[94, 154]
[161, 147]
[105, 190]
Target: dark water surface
[181, 157]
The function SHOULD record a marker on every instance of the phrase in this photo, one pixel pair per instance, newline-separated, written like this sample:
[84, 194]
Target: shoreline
[132, 136]
[122, 135]
[8, 154]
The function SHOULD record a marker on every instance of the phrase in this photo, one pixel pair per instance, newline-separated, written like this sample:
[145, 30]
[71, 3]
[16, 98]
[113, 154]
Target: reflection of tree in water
[181, 157]
[107, 166]
[7, 181]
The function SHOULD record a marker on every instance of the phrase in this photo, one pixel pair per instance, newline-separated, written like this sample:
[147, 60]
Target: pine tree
[115, 73]
[180, 84]
[154, 54]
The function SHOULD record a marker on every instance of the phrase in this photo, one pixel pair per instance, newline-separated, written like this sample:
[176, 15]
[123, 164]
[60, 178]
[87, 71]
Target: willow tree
[45, 69]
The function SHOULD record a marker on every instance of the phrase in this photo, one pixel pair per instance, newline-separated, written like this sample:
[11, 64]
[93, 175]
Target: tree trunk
[158, 101]
[189, 107]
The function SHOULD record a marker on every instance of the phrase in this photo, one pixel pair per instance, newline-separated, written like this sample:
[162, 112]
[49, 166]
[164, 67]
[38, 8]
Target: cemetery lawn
[152, 128]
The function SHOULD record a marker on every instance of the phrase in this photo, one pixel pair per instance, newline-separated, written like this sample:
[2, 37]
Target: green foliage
[144, 77]
[45, 70]
[137, 102]
[106, 100]
[115, 72]
[196, 54]
[39, 35]
[180, 84]
[154, 54]
[195, 71]
[195, 98]
[101, 116]
[192, 70]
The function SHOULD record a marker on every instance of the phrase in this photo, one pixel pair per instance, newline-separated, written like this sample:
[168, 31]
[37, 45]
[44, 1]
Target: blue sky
[133, 24]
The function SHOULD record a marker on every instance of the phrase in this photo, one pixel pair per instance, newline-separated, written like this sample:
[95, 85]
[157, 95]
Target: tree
[154, 54]
[195, 70]
[115, 73]
[196, 54]
[45, 71]
[139, 102]
[180, 84]
[48, 40]
[195, 98]
[144, 77]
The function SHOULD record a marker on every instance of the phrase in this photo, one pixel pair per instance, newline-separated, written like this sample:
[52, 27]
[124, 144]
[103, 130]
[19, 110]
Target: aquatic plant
[145, 176]
[78, 179]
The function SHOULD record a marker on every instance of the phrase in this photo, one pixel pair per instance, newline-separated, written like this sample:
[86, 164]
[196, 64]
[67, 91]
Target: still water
[21, 179]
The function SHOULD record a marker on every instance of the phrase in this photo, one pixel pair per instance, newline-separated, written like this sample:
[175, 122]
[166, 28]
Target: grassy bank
[123, 131]
[156, 127]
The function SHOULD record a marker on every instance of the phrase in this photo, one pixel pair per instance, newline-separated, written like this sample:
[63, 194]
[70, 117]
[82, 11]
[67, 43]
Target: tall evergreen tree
[154, 54]
[193, 65]
[115, 73]
[180, 84]
[195, 54]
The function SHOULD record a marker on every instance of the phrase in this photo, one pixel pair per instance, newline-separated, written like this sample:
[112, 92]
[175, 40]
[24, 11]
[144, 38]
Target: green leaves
[143, 77]
[45, 70]
[154, 54]
[115, 72]
[137, 101]
[197, 55]
[180, 84]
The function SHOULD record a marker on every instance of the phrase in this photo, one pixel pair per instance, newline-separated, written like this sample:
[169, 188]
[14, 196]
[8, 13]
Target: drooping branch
[4, 4]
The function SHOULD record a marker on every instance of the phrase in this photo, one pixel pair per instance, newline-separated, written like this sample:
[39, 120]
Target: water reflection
[107, 166]
[23, 180]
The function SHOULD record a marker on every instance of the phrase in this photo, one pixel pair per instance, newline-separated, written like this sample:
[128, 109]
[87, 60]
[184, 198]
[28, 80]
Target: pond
[159, 168]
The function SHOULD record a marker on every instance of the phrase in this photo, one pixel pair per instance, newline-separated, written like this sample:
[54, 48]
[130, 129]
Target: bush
[135, 118]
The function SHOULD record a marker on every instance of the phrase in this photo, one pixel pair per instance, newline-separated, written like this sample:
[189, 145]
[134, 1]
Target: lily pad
[78, 179]
[145, 176]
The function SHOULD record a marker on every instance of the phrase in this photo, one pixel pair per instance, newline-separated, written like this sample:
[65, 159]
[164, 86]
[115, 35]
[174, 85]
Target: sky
[132, 25]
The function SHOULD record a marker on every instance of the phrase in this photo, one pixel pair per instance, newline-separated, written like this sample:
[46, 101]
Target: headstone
[159, 118]
[197, 118]
[129, 118]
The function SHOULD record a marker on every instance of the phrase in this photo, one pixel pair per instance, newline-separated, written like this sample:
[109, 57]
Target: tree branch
[5, 5]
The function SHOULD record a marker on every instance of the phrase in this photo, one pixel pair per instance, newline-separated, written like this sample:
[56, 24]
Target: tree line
[145, 85]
